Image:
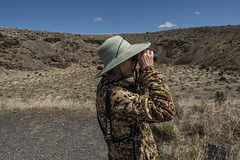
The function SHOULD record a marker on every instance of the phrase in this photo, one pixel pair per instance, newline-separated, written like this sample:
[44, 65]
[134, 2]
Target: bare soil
[50, 134]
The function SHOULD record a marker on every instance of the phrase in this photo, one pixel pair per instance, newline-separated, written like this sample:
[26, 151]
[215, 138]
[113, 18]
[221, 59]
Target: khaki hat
[116, 50]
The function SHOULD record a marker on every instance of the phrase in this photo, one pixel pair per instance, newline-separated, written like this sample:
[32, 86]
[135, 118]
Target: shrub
[167, 132]
[220, 96]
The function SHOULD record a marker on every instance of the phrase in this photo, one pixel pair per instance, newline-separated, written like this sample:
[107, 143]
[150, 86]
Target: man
[125, 101]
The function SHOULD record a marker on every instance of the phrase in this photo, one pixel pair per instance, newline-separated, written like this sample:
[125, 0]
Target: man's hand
[145, 58]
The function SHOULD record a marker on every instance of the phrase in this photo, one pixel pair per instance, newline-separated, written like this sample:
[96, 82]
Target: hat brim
[132, 51]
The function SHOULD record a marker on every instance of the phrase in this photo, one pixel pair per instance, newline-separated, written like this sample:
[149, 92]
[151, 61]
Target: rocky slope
[23, 49]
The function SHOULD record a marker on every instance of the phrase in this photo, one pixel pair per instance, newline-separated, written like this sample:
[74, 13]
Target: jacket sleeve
[156, 107]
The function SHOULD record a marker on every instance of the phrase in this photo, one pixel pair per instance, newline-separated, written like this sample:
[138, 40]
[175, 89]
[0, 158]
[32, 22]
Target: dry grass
[65, 89]
[86, 108]
[206, 125]
[207, 130]
[201, 129]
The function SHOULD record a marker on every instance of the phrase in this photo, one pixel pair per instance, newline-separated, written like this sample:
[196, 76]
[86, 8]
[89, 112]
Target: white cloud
[167, 25]
[197, 13]
[98, 19]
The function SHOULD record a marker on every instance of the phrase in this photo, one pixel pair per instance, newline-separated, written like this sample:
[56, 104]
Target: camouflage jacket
[135, 110]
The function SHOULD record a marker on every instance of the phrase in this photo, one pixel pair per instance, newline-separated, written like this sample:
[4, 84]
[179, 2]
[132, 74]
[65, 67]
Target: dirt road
[50, 135]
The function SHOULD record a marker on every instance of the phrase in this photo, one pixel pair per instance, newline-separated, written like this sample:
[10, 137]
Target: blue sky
[117, 16]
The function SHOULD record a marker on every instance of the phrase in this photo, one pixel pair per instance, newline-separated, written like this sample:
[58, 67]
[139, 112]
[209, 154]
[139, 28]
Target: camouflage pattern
[129, 107]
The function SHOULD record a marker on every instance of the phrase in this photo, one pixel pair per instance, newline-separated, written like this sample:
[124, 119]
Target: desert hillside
[23, 49]
[47, 93]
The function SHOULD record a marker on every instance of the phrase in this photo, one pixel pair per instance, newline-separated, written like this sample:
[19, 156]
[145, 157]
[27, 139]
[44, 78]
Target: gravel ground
[50, 135]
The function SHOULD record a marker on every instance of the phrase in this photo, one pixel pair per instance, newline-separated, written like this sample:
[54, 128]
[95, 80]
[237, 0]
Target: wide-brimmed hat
[116, 50]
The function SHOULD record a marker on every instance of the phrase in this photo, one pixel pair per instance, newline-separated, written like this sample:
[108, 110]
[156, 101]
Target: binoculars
[134, 58]
[154, 56]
